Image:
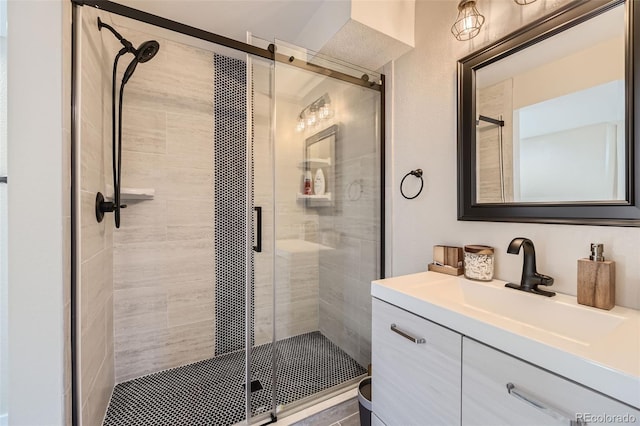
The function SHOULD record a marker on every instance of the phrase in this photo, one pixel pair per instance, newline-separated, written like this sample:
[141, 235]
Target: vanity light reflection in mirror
[562, 101]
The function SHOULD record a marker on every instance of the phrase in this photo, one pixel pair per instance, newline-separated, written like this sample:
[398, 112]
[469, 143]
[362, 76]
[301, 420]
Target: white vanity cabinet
[489, 358]
[416, 369]
[498, 389]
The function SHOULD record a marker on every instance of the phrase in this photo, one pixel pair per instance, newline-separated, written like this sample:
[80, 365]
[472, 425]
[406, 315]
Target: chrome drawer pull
[539, 405]
[416, 340]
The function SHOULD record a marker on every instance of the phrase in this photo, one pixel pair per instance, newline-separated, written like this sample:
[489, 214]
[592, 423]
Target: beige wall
[495, 102]
[604, 62]
[424, 135]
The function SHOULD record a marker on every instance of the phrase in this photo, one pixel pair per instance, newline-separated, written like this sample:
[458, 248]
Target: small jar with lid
[478, 262]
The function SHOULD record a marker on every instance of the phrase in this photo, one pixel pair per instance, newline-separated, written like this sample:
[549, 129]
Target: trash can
[364, 401]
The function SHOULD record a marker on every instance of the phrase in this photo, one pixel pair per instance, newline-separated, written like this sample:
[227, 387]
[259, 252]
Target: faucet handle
[545, 280]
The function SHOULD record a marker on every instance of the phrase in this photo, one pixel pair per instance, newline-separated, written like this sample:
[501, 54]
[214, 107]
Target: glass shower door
[327, 229]
[260, 313]
[172, 301]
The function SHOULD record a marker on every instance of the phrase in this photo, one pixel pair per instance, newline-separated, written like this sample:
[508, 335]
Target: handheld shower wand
[145, 52]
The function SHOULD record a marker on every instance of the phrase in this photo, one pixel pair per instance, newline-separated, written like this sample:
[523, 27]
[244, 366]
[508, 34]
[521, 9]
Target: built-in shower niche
[319, 158]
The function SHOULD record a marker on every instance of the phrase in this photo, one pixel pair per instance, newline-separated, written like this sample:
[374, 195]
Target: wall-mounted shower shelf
[314, 163]
[133, 194]
[326, 196]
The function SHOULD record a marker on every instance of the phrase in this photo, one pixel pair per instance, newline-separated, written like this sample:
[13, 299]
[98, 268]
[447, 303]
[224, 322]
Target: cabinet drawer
[536, 396]
[416, 368]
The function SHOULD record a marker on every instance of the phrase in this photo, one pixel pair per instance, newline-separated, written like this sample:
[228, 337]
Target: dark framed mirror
[546, 120]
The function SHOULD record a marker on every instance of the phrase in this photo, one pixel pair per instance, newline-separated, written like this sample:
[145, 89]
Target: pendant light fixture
[314, 113]
[469, 21]
[523, 2]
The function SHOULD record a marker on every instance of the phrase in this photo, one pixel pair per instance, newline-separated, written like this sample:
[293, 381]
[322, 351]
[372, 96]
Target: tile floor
[211, 392]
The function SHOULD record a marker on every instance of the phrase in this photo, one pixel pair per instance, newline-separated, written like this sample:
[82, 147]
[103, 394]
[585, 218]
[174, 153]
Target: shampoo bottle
[319, 183]
[596, 280]
[307, 190]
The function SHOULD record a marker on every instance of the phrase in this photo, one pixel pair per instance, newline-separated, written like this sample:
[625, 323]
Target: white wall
[36, 211]
[424, 136]
[394, 18]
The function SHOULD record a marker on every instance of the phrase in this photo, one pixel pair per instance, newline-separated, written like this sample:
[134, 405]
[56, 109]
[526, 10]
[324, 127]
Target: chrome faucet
[531, 279]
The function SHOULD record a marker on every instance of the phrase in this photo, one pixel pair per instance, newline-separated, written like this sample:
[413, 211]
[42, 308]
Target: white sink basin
[574, 322]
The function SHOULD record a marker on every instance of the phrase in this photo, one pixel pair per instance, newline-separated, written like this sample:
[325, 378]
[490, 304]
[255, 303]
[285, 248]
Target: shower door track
[271, 54]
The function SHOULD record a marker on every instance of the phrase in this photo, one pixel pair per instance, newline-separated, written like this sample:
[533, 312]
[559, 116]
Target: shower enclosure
[237, 286]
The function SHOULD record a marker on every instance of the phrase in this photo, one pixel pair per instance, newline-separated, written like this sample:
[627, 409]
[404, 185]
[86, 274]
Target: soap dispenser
[596, 280]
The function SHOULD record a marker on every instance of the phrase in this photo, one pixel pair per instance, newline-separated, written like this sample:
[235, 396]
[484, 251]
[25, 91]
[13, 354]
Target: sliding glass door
[327, 230]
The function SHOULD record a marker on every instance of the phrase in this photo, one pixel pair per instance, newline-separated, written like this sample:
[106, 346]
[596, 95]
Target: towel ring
[417, 173]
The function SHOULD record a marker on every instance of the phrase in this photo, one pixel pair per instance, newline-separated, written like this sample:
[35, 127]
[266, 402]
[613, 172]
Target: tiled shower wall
[230, 100]
[95, 248]
[495, 102]
[326, 287]
[164, 251]
[351, 227]
[296, 263]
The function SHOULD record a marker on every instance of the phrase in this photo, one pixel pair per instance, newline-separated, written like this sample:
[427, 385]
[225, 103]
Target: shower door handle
[258, 248]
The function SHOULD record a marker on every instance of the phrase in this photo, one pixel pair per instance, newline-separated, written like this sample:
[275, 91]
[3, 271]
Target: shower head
[144, 53]
[147, 51]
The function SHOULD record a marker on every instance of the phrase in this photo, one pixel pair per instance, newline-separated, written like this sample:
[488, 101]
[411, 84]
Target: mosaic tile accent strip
[211, 392]
[230, 147]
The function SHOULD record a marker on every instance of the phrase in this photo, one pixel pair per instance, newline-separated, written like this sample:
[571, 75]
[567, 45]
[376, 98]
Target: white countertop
[597, 348]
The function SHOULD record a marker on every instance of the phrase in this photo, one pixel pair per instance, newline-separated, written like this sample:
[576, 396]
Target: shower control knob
[103, 207]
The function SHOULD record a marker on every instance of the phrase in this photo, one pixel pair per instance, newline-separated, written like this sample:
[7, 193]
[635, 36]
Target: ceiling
[267, 19]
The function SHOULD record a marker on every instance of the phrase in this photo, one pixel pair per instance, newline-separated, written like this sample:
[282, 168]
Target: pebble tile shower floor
[211, 392]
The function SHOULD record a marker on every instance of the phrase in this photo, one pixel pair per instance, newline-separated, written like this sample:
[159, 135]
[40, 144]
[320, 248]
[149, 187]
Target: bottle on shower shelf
[319, 183]
[308, 185]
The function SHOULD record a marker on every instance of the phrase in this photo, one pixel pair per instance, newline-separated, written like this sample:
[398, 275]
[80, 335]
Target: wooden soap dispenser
[596, 280]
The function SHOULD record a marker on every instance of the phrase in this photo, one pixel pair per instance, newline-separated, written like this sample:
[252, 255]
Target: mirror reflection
[550, 119]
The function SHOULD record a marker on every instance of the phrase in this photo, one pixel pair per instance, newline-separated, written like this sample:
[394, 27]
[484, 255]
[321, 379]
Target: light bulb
[325, 111]
[312, 119]
[468, 22]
